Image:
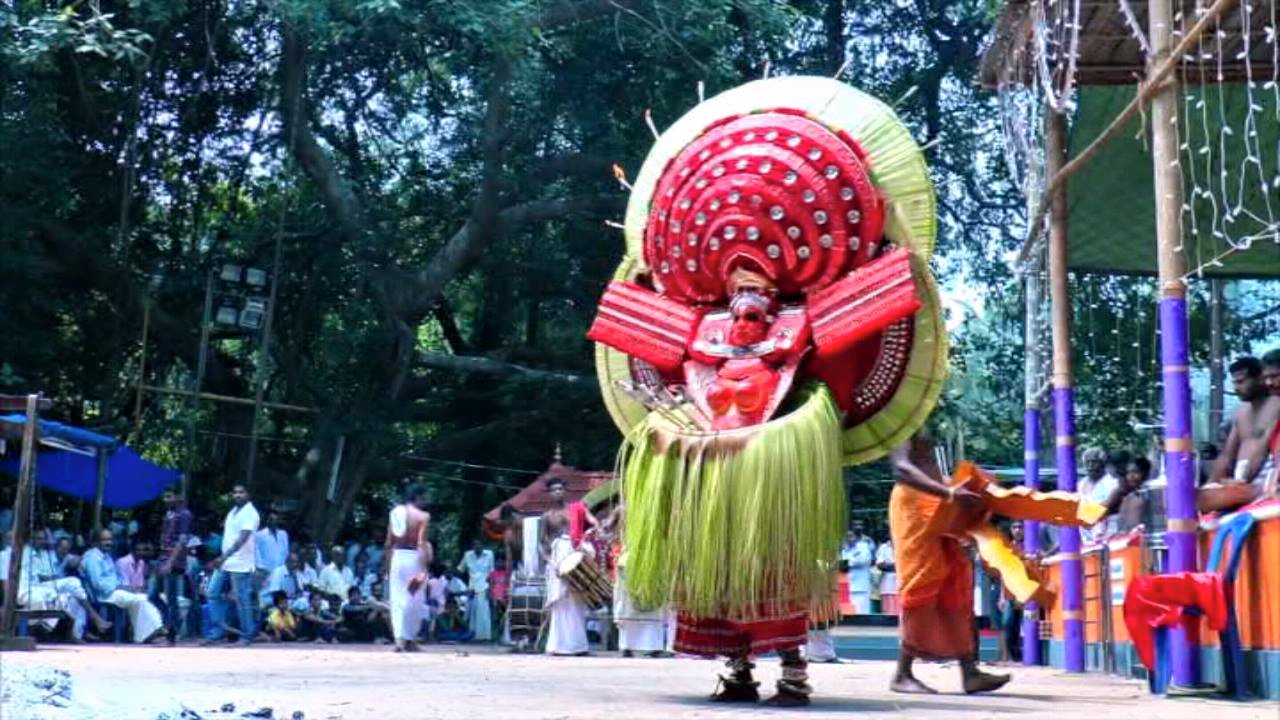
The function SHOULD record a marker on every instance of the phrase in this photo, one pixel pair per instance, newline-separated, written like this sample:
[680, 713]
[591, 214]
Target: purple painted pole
[1031, 533]
[1069, 537]
[1180, 494]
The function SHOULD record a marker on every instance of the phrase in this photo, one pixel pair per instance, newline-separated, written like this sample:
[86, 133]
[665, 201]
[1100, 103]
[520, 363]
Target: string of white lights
[1231, 174]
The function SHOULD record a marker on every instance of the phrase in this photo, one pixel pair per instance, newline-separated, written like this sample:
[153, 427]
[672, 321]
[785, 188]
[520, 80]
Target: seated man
[319, 623]
[108, 587]
[366, 619]
[451, 625]
[1244, 458]
[336, 577]
[287, 579]
[66, 593]
[132, 567]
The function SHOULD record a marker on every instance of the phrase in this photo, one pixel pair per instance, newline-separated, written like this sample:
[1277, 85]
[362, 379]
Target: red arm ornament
[644, 324]
[862, 304]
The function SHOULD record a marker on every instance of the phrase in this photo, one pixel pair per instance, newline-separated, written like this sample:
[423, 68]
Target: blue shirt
[100, 571]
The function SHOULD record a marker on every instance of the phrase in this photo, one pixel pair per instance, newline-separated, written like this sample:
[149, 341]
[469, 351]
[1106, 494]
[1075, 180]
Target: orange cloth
[935, 580]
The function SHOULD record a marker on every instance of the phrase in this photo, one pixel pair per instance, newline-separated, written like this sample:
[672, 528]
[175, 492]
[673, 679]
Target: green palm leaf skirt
[743, 524]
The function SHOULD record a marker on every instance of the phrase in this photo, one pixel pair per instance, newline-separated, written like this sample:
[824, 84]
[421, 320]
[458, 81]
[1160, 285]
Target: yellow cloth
[281, 620]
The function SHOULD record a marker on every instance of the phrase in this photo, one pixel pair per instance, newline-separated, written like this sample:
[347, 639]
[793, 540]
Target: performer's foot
[910, 685]
[980, 682]
[731, 691]
[787, 698]
[628, 654]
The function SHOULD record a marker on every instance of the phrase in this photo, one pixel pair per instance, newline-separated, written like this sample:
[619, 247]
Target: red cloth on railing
[1154, 601]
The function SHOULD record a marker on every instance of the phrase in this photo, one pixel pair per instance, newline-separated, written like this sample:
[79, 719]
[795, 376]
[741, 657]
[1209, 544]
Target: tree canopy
[436, 178]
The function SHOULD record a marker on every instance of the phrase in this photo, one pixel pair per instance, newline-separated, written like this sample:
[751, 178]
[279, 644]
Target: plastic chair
[1236, 532]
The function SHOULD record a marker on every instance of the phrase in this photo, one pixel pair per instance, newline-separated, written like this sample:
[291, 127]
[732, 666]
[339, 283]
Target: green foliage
[146, 144]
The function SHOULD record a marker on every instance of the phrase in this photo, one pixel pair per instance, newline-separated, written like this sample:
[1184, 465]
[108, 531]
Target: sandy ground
[350, 682]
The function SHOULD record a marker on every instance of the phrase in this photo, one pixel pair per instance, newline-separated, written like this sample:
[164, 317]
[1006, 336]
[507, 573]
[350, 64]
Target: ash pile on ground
[34, 692]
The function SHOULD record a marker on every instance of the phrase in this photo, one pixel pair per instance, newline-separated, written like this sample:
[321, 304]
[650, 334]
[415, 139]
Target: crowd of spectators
[176, 583]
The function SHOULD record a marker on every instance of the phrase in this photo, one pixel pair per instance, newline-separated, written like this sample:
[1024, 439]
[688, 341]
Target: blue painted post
[1180, 492]
[1072, 598]
[1031, 532]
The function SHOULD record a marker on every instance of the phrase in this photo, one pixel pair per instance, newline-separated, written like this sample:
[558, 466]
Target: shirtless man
[567, 634]
[512, 538]
[1271, 378]
[572, 519]
[1245, 454]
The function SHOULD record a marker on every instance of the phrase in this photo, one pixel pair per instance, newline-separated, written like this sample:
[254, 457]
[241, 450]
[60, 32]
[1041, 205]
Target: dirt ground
[350, 683]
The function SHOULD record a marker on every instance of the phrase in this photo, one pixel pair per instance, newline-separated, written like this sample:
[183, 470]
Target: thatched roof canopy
[1110, 53]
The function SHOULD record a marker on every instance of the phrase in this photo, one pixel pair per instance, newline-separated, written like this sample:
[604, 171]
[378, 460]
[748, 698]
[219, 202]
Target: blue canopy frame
[93, 466]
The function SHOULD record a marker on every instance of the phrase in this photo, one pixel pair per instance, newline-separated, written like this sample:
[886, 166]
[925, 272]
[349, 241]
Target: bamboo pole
[1031, 454]
[1183, 525]
[101, 492]
[21, 521]
[1148, 90]
[1064, 420]
[228, 399]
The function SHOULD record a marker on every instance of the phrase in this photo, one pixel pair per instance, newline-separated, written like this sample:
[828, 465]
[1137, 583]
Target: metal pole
[201, 363]
[264, 364]
[1217, 375]
[1031, 456]
[101, 493]
[1064, 396]
[1180, 491]
[21, 515]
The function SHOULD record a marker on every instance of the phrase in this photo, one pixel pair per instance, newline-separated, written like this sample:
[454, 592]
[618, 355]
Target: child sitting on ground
[282, 624]
[319, 623]
[451, 626]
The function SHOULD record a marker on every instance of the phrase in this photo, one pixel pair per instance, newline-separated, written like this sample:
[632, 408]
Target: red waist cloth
[730, 638]
[1154, 601]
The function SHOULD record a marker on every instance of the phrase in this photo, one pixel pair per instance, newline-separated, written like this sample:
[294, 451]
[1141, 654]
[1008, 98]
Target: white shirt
[240, 519]
[334, 581]
[888, 580]
[271, 548]
[478, 567]
[859, 556]
[1099, 492]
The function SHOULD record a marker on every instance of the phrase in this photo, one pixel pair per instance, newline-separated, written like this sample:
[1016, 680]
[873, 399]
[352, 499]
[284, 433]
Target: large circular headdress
[803, 179]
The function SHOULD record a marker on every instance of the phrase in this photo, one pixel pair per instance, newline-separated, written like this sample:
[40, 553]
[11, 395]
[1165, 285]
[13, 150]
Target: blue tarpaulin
[131, 481]
[72, 435]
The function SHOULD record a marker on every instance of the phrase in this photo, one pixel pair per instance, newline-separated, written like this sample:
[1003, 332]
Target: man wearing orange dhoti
[935, 575]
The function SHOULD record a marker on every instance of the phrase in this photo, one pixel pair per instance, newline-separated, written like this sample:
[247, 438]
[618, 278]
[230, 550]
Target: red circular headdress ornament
[775, 192]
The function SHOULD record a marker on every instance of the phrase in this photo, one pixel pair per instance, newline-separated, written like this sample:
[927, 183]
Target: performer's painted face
[751, 317]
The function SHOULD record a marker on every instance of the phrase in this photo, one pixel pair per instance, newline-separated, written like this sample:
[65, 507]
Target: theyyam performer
[773, 318]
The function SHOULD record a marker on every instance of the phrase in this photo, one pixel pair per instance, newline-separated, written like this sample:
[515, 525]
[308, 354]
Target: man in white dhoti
[39, 587]
[639, 631]
[108, 587]
[478, 562]
[405, 559]
[567, 633]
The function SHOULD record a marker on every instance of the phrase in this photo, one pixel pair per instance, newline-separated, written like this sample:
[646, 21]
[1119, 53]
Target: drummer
[567, 633]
